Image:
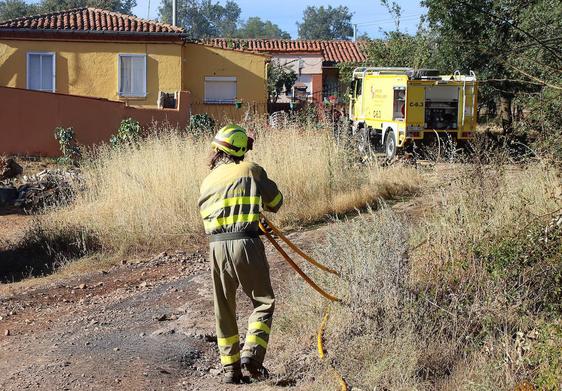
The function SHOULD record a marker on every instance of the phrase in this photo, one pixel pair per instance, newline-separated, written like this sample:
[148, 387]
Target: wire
[551, 50]
[387, 19]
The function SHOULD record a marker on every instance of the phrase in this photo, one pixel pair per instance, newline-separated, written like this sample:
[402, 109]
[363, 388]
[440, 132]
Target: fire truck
[396, 107]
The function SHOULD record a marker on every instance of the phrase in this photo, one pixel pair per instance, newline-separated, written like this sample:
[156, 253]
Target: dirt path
[145, 326]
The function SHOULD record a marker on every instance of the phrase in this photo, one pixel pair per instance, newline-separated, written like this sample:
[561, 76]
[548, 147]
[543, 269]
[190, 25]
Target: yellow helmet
[232, 139]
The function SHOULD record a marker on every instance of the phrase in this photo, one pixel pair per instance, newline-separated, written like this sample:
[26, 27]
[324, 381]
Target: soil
[148, 325]
[13, 225]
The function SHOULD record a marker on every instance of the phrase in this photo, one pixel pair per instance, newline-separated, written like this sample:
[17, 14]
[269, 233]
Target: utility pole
[174, 12]
[354, 32]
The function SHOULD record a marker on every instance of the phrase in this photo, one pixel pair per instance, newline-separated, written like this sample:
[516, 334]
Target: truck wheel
[390, 145]
[361, 138]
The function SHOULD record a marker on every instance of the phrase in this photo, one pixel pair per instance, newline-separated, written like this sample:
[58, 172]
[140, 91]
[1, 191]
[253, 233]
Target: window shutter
[220, 89]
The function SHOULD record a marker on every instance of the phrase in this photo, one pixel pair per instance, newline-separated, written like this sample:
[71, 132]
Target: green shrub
[545, 357]
[201, 124]
[128, 133]
[69, 149]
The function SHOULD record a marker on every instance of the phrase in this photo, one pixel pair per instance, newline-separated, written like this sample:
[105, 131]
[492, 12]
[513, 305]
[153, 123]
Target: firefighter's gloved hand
[267, 227]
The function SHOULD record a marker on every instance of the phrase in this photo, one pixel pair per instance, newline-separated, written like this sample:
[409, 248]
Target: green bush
[69, 149]
[128, 133]
[201, 124]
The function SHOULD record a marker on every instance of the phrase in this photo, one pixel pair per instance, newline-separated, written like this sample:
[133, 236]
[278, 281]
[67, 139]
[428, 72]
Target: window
[167, 100]
[399, 106]
[132, 75]
[41, 71]
[220, 90]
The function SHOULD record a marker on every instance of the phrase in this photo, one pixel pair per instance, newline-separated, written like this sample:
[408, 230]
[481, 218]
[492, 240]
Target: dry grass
[486, 204]
[144, 198]
[461, 311]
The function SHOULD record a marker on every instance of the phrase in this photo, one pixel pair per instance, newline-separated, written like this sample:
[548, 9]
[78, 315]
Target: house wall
[249, 69]
[29, 118]
[309, 64]
[91, 68]
[308, 67]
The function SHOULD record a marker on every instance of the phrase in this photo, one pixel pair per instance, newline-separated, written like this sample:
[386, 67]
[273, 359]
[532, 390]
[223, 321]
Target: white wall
[309, 64]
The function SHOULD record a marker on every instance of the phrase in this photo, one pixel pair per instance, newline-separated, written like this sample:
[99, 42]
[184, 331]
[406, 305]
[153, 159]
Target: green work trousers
[241, 262]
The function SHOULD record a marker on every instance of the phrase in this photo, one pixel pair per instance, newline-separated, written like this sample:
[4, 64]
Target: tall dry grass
[144, 198]
[461, 311]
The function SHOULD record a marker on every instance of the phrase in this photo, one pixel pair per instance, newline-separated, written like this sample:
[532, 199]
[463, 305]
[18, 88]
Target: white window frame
[129, 55]
[54, 57]
[220, 78]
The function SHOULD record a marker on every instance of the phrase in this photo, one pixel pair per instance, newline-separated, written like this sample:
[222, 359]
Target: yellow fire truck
[394, 107]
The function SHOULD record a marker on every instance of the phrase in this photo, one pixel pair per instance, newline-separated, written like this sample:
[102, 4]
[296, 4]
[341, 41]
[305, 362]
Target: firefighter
[230, 201]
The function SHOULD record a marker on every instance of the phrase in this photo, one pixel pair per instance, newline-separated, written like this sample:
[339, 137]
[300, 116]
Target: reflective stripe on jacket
[232, 195]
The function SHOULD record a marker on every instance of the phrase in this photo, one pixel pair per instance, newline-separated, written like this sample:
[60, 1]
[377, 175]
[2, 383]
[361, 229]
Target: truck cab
[394, 107]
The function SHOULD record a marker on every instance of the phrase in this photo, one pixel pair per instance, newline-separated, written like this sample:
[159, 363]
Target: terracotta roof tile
[89, 19]
[337, 51]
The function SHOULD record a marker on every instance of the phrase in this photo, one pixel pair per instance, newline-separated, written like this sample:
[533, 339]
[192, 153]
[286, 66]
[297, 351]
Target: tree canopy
[203, 18]
[254, 27]
[514, 45]
[279, 78]
[12, 9]
[326, 23]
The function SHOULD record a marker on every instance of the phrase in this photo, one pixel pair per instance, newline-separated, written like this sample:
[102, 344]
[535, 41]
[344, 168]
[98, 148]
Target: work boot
[232, 375]
[256, 371]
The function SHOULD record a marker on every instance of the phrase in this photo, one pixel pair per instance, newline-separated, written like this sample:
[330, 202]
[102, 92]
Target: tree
[203, 18]
[254, 27]
[326, 23]
[123, 6]
[12, 9]
[398, 49]
[490, 37]
[279, 78]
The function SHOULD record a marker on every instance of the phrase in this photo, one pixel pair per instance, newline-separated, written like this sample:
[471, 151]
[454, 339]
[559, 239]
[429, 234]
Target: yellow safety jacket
[232, 195]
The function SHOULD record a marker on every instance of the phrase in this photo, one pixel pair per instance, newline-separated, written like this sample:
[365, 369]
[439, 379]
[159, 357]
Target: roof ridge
[338, 50]
[279, 39]
[128, 16]
[95, 10]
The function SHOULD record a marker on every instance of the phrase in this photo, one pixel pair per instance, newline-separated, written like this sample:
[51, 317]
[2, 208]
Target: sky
[369, 15]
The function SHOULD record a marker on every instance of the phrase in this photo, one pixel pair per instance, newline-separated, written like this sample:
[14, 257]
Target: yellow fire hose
[321, 352]
[311, 260]
[320, 335]
[295, 266]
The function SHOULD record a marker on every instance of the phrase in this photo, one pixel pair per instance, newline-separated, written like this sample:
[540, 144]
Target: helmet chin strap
[250, 143]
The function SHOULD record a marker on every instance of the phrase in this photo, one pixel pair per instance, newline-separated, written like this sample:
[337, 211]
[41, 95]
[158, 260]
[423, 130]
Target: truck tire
[389, 145]
[361, 138]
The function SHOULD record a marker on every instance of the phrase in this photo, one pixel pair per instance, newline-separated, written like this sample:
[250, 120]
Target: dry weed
[144, 197]
[457, 312]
